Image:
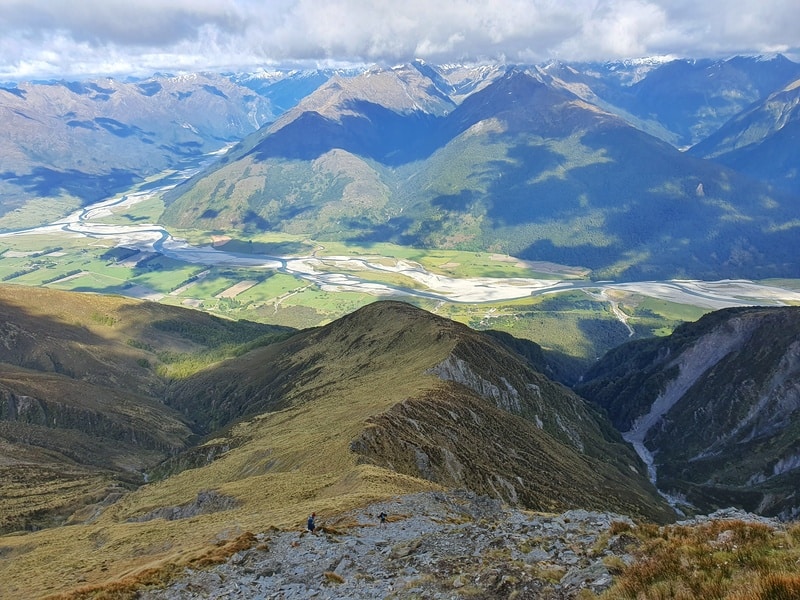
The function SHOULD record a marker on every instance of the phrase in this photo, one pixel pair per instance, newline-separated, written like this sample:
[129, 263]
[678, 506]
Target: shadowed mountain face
[763, 141]
[81, 382]
[694, 98]
[680, 101]
[523, 163]
[717, 404]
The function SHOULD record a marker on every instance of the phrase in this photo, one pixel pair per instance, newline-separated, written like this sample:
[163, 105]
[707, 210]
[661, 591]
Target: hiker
[382, 517]
[312, 525]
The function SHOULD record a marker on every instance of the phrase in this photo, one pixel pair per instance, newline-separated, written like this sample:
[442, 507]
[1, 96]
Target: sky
[88, 38]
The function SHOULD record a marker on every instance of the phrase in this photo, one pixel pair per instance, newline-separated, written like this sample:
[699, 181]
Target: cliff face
[715, 407]
[459, 440]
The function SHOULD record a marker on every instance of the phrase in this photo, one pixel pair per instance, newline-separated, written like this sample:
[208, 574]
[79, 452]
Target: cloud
[63, 38]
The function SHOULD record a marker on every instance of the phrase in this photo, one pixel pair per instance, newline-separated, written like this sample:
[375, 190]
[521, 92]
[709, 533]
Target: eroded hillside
[716, 405]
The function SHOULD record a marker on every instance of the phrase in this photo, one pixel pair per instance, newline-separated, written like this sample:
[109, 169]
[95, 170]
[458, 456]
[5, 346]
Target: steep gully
[692, 363]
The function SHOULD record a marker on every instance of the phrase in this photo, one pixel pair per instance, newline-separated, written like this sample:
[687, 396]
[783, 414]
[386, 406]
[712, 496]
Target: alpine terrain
[163, 449]
[103, 395]
[713, 408]
[543, 163]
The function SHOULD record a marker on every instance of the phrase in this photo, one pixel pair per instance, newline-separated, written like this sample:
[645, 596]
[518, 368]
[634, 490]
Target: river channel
[346, 273]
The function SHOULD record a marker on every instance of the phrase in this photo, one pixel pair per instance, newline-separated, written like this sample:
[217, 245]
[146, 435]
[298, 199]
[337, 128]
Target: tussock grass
[126, 588]
[618, 527]
[730, 560]
[332, 577]
[547, 572]
[160, 576]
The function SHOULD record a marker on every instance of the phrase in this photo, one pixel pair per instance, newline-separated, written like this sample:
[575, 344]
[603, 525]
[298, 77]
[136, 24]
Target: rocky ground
[433, 546]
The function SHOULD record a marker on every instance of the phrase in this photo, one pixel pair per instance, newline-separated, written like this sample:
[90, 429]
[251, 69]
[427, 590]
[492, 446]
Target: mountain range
[544, 163]
[138, 438]
[634, 169]
[71, 143]
[147, 430]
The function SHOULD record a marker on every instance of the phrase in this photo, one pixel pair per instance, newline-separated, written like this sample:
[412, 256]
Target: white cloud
[64, 38]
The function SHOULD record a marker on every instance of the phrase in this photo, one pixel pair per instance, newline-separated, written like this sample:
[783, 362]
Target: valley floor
[360, 274]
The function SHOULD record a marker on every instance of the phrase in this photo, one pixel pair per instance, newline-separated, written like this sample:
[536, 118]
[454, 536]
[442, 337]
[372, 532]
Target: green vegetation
[38, 211]
[575, 325]
[232, 338]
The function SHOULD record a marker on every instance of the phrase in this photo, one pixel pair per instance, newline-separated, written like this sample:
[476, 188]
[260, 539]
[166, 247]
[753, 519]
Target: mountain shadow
[90, 188]
[373, 132]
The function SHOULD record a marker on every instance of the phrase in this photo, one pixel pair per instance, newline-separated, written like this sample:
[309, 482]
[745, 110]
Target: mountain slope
[521, 165]
[74, 143]
[762, 142]
[81, 382]
[324, 421]
[65, 444]
[682, 101]
[462, 378]
[717, 406]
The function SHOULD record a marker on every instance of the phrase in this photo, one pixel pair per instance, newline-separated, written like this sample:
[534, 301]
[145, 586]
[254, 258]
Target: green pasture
[163, 274]
[786, 284]
[271, 286]
[93, 282]
[660, 316]
[571, 323]
[213, 284]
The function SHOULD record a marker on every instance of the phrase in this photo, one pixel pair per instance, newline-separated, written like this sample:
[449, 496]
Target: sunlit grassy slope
[295, 409]
[82, 379]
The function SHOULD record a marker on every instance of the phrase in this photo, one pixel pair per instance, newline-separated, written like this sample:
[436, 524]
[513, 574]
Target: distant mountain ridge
[762, 141]
[79, 142]
[690, 98]
[521, 164]
[580, 164]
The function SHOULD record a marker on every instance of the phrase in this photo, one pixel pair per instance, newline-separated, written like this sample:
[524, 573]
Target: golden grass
[128, 586]
[332, 577]
[728, 560]
[294, 462]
